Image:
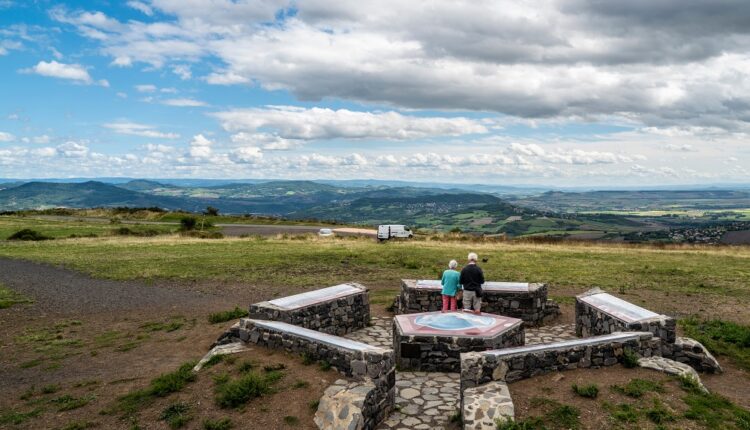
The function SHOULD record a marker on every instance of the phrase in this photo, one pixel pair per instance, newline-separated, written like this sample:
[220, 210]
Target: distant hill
[145, 185]
[39, 195]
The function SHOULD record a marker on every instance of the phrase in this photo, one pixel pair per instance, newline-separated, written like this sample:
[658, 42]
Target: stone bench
[599, 313]
[513, 364]
[337, 310]
[362, 404]
[525, 301]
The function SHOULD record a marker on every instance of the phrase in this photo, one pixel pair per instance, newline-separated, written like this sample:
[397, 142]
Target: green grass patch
[161, 386]
[712, 410]
[721, 338]
[220, 317]
[589, 391]
[68, 402]
[313, 405]
[170, 325]
[80, 425]
[9, 298]
[636, 388]
[555, 415]
[50, 389]
[622, 412]
[629, 359]
[291, 420]
[15, 417]
[220, 424]
[233, 394]
[274, 367]
[659, 414]
[176, 415]
[301, 384]
[245, 366]
[214, 360]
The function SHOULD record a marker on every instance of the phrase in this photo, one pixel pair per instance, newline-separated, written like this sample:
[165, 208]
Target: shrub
[590, 391]
[629, 359]
[28, 234]
[222, 424]
[251, 385]
[174, 381]
[212, 211]
[188, 223]
[125, 231]
[220, 317]
[176, 415]
[68, 402]
[659, 414]
[638, 387]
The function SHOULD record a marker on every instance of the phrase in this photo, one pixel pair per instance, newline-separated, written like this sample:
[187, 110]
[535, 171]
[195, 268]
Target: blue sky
[539, 92]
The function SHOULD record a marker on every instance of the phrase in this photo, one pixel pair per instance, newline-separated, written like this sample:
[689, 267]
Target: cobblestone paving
[428, 400]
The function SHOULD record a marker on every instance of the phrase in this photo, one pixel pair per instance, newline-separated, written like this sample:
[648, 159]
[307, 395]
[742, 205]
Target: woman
[450, 286]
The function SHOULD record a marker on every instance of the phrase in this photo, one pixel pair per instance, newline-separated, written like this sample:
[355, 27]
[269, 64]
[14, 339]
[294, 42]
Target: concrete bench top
[617, 307]
[316, 336]
[316, 296]
[433, 284]
[587, 341]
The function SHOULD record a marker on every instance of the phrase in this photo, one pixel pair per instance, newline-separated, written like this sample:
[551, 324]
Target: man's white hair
[453, 264]
[473, 256]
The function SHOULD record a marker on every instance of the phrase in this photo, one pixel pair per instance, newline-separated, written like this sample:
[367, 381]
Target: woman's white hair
[453, 264]
[473, 256]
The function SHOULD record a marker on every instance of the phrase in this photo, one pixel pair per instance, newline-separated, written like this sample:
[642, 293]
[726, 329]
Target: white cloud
[290, 122]
[226, 78]
[45, 152]
[183, 71]
[143, 130]
[265, 141]
[183, 102]
[73, 72]
[246, 155]
[686, 147]
[42, 139]
[6, 137]
[145, 88]
[142, 7]
[200, 147]
[72, 149]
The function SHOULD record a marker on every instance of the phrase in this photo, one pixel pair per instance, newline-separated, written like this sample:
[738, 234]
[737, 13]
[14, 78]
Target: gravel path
[63, 291]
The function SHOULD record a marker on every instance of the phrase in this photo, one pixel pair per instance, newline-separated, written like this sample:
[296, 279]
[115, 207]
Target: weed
[9, 298]
[307, 359]
[220, 424]
[313, 405]
[68, 402]
[456, 418]
[221, 378]
[623, 412]
[556, 415]
[638, 387]
[220, 317]
[230, 359]
[250, 385]
[15, 417]
[173, 324]
[690, 384]
[291, 420]
[714, 411]
[214, 360]
[176, 415]
[324, 365]
[160, 386]
[590, 391]
[274, 367]
[31, 363]
[29, 393]
[659, 414]
[49, 389]
[245, 366]
[86, 383]
[80, 425]
[301, 384]
[630, 359]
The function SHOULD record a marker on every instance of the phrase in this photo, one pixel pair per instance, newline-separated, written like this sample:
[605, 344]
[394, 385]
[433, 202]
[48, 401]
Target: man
[472, 279]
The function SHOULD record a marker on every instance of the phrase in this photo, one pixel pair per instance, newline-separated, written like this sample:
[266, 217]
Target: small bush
[638, 387]
[245, 366]
[220, 317]
[125, 231]
[68, 402]
[176, 415]
[291, 420]
[222, 424]
[629, 359]
[188, 223]
[49, 389]
[172, 382]
[212, 211]
[659, 414]
[590, 391]
[274, 367]
[249, 386]
[28, 234]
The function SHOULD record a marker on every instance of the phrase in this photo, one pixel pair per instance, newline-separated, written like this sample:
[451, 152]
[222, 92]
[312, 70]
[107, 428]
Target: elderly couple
[470, 280]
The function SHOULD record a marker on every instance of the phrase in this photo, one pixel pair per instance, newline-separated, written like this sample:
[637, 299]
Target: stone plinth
[524, 301]
[599, 313]
[336, 310]
[434, 341]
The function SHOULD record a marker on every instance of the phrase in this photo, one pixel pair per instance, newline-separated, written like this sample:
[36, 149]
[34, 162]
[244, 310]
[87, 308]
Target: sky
[544, 92]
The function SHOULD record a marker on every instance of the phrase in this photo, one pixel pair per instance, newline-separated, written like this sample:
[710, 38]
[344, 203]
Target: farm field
[148, 301]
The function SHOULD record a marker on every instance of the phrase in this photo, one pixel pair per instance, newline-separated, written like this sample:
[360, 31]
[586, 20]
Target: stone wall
[514, 364]
[433, 353]
[693, 353]
[531, 306]
[338, 316]
[592, 321]
[374, 369]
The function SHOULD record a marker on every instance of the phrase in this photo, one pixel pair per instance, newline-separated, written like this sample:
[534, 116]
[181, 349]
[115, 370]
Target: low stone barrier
[360, 404]
[525, 301]
[338, 310]
[599, 313]
[692, 353]
[513, 364]
[482, 405]
[424, 342]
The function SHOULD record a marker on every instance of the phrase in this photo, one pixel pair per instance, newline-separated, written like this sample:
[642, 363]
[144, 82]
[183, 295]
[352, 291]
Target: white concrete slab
[618, 308]
[316, 296]
[433, 284]
[587, 341]
[316, 335]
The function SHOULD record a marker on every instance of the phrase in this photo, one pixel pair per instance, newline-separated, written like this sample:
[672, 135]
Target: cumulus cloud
[183, 102]
[145, 88]
[72, 149]
[6, 137]
[200, 147]
[73, 72]
[290, 122]
[143, 130]
[141, 7]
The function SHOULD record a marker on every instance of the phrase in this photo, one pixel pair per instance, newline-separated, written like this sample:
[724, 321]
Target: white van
[388, 231]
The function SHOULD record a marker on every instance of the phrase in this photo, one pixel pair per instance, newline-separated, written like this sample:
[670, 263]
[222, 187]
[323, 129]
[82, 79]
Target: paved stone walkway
[429, 400]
